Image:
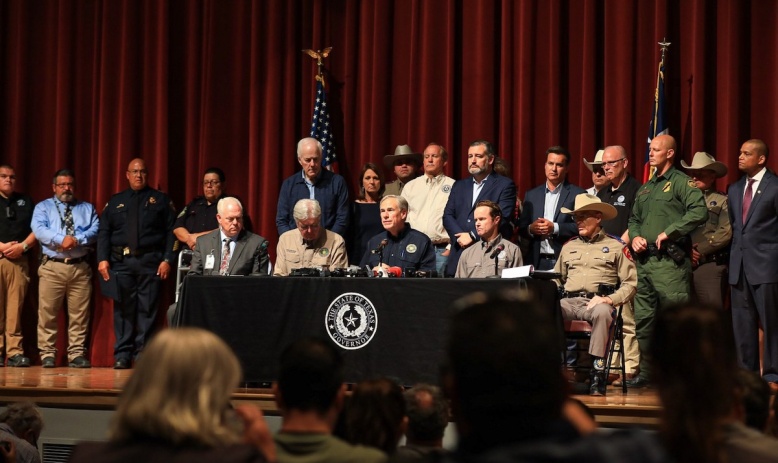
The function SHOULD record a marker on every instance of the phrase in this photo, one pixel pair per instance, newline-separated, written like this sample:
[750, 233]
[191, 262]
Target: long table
[389, 327]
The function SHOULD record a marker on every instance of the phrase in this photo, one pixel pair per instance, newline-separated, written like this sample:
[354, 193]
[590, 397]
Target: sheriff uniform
[712, 241]
[292, 252]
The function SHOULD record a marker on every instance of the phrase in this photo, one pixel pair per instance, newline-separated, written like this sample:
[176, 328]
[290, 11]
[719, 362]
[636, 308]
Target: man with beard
[65, 228]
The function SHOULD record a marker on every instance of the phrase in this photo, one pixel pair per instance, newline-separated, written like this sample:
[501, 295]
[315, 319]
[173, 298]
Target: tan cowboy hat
[703, 160]
[402, 152]
[587, 202]
[597, 161]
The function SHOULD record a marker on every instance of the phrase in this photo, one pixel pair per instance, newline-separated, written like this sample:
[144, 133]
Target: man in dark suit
[540, 221]
[484, 184]
[230, 250]
[753, 264]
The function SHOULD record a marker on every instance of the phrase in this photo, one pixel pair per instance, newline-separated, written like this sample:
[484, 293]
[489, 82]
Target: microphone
[380, 247]
[395, 272]
[500, 248]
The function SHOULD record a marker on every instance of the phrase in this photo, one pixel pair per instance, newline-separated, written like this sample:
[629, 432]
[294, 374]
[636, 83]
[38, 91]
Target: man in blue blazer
[540, 221]
[484, 184]
[753, 263]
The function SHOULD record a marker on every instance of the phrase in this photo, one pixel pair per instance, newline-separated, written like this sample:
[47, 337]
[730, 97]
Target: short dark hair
[489, 147]
[378, 171]
[426, 421]
[559, 150]
[310, 375]
[63, 173]
[503, 353]
[22, 417]
[761, 147]
[494, 208]
[374, 414]
[217, 171]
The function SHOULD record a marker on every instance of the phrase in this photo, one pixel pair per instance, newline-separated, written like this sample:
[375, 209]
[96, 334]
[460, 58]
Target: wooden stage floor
[98, 389]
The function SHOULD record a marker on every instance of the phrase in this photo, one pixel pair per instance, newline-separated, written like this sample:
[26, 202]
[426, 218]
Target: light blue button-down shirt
[48, 224]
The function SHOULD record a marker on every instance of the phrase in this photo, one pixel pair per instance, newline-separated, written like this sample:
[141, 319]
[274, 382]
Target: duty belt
[585, 294]
[720, 258]
[652, 250]
[126, 251]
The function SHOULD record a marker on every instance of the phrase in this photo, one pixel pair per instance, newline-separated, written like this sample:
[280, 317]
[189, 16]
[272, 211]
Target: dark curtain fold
[188, 84]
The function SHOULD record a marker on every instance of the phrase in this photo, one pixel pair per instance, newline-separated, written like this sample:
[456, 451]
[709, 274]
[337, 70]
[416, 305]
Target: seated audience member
[596, 274]
[492, 253]
[230, 250]
[508, 395]
[400, 245]
[754, 399]
[427, 413]
[21, 425]
[309, 393]
[176, 408]
[374, 415]
[309, 245]
[365, 215]
[696, 373]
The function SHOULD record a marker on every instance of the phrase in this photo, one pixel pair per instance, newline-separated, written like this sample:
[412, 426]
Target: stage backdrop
[187, 84]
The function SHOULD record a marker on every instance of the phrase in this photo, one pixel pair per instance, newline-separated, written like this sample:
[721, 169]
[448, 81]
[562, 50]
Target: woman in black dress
[365, 215]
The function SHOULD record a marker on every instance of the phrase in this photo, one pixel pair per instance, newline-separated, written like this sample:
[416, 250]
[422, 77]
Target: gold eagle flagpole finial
[319, 56]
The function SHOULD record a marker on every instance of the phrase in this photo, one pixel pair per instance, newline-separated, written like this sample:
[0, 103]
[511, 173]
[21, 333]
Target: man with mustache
[65, 228]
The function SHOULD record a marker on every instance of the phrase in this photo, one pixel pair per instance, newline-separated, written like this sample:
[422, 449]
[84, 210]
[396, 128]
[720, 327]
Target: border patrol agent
[667, 209]
[135, 242]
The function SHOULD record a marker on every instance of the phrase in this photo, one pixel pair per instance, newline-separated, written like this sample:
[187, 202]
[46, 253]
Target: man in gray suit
[230, 250]
[753, 261]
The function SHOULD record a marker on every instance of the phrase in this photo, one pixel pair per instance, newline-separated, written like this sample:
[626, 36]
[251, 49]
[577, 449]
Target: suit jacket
[755, 242]
[458, 213]
[249, 257]
[533, 207]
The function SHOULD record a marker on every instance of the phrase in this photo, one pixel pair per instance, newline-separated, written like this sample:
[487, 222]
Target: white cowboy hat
[703, 160]
[402, 152]
[586, 202]
[597, 161]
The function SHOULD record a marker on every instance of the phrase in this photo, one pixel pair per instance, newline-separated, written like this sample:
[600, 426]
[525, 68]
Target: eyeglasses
[138, 172]
[211, 182]
[4, 176]
[612, 163]
[65, 185]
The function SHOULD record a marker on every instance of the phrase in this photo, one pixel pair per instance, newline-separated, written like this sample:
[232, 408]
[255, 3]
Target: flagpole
[658, 123]
[320, 124]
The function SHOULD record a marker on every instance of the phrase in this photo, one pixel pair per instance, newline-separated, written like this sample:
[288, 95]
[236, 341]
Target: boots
[597, 380]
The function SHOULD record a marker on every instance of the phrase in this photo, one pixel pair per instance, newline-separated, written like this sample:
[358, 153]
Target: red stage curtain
[187, 84]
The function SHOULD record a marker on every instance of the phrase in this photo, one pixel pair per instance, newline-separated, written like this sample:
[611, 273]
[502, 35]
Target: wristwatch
[25, 248]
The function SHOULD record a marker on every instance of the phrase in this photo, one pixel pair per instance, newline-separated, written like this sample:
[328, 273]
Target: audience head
[213, 183]
[180, 391]
[503, 375]
[754, 395]
[394, 211]
[694, 368]
[371, 182]
[427, 413]
[375, 414]
[25, 421]
[435, 159]
[309, 156]
[229, 213]
[310, 377]
[307, 216]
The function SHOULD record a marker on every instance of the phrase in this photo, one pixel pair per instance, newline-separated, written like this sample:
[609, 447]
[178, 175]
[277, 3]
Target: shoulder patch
[691, 183]
[627, 254]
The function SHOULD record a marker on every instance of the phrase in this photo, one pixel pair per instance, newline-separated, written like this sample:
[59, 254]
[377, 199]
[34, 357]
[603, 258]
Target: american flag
[658, 124]
[321, 128]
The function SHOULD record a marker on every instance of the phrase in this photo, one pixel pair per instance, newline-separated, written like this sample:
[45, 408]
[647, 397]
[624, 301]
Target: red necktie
[747, 198]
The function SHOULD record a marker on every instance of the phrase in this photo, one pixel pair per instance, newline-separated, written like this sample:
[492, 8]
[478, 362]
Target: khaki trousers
[59, 281]
[631, 349]
[14, 278]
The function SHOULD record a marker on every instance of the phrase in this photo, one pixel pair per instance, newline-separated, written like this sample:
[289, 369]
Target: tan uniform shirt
[475, 262]
[716, 233]
[394, 188]
[292, 252]
[585, 265]
[427, 198]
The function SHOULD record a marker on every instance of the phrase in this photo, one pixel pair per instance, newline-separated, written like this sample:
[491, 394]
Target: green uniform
[669, 203]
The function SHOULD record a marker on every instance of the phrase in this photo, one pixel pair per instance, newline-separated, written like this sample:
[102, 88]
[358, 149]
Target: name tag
[209, 261]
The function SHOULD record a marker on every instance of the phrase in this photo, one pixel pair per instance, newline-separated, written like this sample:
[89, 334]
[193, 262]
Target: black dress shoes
[638, 383]
[121, 364]
[80, 362]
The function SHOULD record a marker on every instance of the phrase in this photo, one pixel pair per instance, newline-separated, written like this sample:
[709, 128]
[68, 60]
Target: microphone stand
[496, 262]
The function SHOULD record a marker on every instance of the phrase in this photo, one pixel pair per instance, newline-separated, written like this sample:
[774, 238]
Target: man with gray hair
[313, 182]
[427, 413]
[400, 245]
[21, 423]
[230, 249]
[309, 245]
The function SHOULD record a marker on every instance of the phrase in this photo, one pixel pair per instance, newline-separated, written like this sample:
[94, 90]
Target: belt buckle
[66, 260]
[126, 251]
